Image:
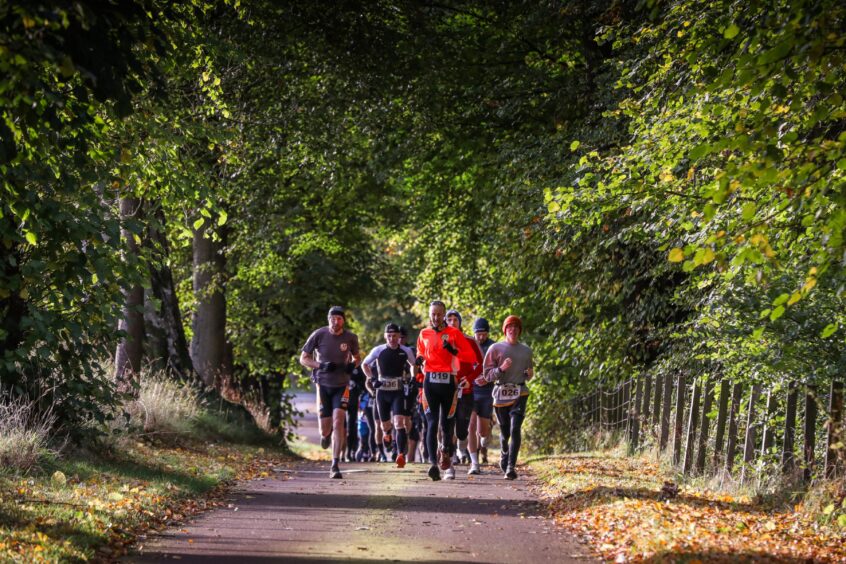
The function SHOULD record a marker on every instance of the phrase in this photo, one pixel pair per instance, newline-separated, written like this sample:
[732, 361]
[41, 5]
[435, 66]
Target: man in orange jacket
[440, 350]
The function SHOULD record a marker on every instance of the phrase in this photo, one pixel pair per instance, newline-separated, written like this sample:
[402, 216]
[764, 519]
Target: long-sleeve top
[521, 361]
[430, 345]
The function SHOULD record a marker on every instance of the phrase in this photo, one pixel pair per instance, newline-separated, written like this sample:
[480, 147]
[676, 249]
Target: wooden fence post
[665, 411]
[787, 445]
[656, 403]
[627, 406]
[768, 439]
[810, 432]
[692, 423]
[834, 443]
[705, 426]
[751, 428]
[647, 393]
[681, 389]
[634, 411]
[734, 415]
[725, 389]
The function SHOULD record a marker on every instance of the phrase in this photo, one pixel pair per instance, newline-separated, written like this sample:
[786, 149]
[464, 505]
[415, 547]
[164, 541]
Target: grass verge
[626, 509]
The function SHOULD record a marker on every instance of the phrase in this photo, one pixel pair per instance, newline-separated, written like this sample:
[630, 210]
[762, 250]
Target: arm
[490, 367]
[308, 361]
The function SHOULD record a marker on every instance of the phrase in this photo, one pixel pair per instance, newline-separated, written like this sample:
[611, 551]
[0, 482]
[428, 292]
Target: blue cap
[481, 324]
[455, 313]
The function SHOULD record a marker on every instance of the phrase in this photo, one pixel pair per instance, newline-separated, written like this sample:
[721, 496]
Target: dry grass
[24, 434]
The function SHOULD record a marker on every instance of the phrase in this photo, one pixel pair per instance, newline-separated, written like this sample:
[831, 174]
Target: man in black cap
[480, 422]
[394, 364]
[337, 357]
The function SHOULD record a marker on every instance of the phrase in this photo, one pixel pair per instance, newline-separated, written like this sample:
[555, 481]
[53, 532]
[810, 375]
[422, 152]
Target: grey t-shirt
[339, 349]
[521, 360]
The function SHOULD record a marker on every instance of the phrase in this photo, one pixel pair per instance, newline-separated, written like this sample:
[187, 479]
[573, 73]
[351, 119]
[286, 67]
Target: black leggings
[462, 416]
[510, 425]
[371, 424]
[439, 400]
[352, 422]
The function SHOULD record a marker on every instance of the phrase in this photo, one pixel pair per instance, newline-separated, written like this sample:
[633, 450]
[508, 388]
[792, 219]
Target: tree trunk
[787, 446]
[705, 427]
[665, 411]
[834, 444]
[681, 390]
[751, 428]
[810, 432]
[130, 350]
[167, 346]
[692, 423]
[209, 322]
[721, 421]
[734, 416]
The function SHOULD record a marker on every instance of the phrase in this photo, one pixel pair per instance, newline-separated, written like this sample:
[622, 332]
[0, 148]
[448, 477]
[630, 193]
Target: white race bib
[390, 384]
[440, 377]
[505, 393]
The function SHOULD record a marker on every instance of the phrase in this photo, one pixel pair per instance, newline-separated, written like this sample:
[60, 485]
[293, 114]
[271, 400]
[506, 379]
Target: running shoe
[455, 459]
[326, 441]
[503, 461]
[474, 470]
[400, 461]
[443, 459]
[510, 474]
[449, 473]
[434, 473]
[335, 473]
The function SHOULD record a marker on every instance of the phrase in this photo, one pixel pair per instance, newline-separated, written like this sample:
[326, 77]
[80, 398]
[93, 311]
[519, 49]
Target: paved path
[376, 513]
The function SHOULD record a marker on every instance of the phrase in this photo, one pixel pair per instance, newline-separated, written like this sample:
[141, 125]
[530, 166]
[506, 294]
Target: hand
[506, 364]
[328, 366]
[418, 361]
[448, 346]
[464, 384]
[349, 368]
[480, 381]
[375, 383]
[352, 385]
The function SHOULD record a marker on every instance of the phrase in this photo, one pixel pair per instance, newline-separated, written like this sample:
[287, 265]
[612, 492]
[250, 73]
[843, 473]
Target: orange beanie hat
[512, 320]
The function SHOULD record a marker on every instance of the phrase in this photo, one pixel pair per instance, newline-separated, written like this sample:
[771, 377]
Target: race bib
[390, 384]
[440, 377]
[506, 393]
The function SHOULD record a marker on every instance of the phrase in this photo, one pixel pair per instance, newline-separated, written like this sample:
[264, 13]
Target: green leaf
[222, 219]
[575, 145]
[776, 313]
[829, 330]
[829, 509]
[749, 210]
[731, 31]
[676, 255]
[781, 299]
[31, 237]
[199, 223]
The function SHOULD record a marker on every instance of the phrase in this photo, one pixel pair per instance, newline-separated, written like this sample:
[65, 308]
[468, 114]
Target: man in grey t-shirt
[509, 365]
[332, 353]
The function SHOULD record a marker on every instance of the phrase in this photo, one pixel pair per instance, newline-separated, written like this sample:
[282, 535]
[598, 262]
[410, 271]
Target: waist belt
[438, 373]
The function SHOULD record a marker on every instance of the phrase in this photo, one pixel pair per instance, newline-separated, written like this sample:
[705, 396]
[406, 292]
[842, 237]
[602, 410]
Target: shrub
[25, 431]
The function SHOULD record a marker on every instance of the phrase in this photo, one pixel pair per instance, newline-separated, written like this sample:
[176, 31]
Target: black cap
[337, 310]
[403, 331]
[481, 324]
[455, 313]
[392, 328]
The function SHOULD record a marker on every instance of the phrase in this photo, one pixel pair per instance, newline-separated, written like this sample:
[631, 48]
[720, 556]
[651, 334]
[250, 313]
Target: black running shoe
[510, 474]
[503, 461]
[326, 441]
[434, 473]
[335, 473]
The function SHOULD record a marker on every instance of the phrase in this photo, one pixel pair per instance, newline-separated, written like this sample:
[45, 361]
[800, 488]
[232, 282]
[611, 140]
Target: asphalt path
[376, 513]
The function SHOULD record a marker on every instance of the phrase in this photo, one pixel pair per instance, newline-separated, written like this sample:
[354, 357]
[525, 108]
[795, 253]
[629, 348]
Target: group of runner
[445, 393]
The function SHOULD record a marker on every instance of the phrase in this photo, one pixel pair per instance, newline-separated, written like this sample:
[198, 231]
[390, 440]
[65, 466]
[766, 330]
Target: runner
[410, 398]
[480, 421]
[509, 365]
[467, 373]
[395, 364]
[440, 348]
[356, 388]
[337, 356]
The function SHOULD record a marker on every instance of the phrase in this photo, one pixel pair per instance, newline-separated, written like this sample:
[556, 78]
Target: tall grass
[163, 405]
[25, 433]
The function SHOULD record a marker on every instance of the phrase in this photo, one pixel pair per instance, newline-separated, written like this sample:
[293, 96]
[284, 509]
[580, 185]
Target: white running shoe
[474, 470]
[449, 473]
